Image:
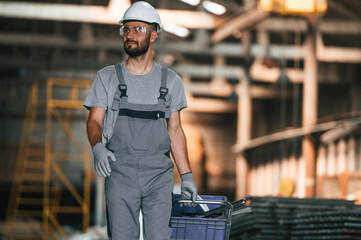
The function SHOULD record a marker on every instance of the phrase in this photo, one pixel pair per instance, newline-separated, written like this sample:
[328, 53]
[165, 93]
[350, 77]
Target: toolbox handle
[224, 203]
[226, 206]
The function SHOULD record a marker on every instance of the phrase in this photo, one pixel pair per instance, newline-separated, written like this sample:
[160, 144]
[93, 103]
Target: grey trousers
[139, 182]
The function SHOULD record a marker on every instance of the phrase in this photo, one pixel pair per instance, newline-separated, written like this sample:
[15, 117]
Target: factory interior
[273, 122]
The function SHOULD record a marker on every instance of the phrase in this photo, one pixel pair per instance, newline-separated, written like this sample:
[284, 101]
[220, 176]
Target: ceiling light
[176, 30]
[214, 8]
[191, 2]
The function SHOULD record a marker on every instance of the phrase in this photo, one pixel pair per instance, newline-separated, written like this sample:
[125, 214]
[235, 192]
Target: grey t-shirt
[141, 89]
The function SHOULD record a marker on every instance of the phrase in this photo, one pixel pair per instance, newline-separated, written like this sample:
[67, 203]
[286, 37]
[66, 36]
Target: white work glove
[188, 189]
[101, 159]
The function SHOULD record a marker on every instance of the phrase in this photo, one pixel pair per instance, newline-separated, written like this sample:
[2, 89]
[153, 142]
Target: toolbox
[209, 219]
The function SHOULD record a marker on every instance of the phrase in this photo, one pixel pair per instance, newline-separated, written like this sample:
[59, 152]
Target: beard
[140, 49]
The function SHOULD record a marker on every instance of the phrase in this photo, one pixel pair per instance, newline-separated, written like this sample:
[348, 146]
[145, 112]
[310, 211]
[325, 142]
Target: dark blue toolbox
[210, 219]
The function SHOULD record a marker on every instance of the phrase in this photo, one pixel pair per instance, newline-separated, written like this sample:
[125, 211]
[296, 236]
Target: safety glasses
[139, 31]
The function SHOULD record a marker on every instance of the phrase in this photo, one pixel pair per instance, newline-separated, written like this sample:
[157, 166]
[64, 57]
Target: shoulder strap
[119, 71]
[122, 86]
[121, 91]
[164, 77]
[163, 90]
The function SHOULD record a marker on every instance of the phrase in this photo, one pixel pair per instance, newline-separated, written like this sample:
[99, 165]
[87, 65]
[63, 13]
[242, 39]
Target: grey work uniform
[142, 176]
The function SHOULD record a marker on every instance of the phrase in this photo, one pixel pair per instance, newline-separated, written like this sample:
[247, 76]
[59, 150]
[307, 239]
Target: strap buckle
[123, 90]
[163, 91]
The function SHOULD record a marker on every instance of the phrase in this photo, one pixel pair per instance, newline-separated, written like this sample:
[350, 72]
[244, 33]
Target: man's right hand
[101, 159]
[188, 189]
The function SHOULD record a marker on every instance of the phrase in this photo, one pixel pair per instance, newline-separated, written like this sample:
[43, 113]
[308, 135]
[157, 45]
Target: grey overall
[142, 175]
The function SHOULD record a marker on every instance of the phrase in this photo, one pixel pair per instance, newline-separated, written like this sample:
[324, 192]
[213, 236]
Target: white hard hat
[144, 12]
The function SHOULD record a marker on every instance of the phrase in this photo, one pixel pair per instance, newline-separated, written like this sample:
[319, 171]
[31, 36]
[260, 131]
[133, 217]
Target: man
[135, 106]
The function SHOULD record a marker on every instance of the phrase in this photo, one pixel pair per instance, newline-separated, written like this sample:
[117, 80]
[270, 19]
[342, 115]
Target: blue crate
[188, 223]
[197, 228]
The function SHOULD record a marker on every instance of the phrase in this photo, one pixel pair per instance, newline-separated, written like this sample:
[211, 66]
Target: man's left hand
[188, 189]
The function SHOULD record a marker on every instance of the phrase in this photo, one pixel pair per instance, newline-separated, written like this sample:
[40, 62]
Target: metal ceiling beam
[65, 12]
[336, 54]
[190, 19]
[207, 105]
[284, 135]
[278, 24]
[99, 14]
[324, 53]
[257, 91]
[112, 13]
[343, 10]
[208, 71]
[262, 73]
[185, 47]
[238, 23]
[222, 89]
[339, 27]
[276, 51]
[346, 129]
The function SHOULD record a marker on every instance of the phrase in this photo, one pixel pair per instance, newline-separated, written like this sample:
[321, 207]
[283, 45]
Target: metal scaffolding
[51, 149]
